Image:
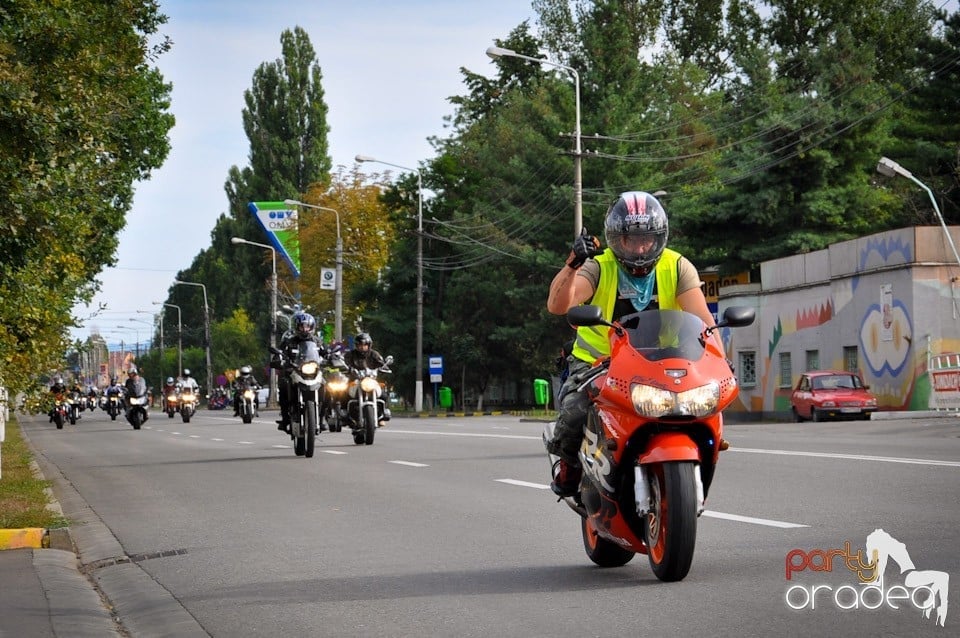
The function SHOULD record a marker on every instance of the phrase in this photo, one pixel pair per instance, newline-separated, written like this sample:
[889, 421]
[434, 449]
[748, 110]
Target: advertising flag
[279, 222]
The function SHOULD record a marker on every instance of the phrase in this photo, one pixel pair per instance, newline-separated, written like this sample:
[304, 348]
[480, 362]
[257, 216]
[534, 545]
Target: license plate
[849, 410]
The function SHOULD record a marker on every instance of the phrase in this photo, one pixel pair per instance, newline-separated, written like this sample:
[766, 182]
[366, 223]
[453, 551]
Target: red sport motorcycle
[653, 435]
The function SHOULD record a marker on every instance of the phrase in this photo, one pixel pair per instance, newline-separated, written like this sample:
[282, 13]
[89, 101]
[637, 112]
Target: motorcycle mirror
[586, 315]
[388, 360]
[736, 317]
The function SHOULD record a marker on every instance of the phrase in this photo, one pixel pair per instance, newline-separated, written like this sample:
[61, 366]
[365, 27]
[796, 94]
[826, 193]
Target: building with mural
[885, 306]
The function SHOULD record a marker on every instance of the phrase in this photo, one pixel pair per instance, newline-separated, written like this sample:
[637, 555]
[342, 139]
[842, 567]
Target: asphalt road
[446, 527]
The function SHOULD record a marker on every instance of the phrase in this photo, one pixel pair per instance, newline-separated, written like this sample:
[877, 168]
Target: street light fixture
[497, 52]
[206, 330]
[338, 295]
[888, 167]
[273, 309]
[418, 387]
[179, 334]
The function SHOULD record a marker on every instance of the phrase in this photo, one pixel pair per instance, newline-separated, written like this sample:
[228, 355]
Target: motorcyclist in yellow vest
[636, 272]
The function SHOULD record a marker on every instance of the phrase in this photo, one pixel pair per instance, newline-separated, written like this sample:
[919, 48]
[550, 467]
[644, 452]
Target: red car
[831, 394]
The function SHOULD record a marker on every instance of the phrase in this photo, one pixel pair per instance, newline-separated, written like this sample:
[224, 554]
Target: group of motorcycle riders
[303, 326]
[634, 273]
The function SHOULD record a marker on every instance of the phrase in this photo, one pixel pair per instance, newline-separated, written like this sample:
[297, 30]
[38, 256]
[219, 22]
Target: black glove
[585, 246]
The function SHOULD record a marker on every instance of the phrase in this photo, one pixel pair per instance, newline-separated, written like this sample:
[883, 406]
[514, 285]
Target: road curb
[24, 538]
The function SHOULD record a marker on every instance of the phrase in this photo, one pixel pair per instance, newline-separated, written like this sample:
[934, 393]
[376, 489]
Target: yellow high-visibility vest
[592, 342]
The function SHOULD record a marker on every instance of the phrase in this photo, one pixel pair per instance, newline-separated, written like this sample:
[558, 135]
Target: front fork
[641, 489]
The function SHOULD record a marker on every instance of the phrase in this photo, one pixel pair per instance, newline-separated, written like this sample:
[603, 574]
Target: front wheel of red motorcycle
[601, 551]
[671, 524]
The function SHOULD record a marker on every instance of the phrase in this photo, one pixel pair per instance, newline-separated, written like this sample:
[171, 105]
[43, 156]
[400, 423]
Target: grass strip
[23, 499]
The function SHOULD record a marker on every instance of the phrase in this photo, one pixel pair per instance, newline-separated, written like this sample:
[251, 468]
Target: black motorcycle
[306, 378]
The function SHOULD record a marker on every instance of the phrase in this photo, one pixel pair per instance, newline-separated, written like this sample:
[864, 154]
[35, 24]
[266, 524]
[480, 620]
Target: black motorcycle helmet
[363, 339]
[304, 324]
[636, 230]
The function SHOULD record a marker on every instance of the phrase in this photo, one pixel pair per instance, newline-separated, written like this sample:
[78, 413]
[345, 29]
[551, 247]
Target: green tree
[83, 116]
[285, 122]
[235, 344]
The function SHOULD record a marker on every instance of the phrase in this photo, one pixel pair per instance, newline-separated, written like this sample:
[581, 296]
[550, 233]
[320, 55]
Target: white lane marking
[473, 434]
[539, 486]
[175, 433]
[852, 457]
[216, 439]
[729, 517]
[282, 447]
[750, 519]
[334, 452]
[409, 463]
[194, 436]
[245, 442]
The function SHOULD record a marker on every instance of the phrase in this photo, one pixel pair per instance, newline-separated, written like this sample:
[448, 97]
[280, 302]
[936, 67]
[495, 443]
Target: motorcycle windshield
[308, 352]
[665, 334]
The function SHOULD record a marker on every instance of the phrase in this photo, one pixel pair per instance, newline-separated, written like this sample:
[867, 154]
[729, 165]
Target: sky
[388, 68]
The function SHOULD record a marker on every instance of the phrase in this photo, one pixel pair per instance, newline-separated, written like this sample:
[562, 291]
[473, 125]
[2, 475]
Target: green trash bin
[446, 398]
[541, 391]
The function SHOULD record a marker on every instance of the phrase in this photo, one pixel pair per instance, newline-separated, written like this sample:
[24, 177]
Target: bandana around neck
[638, 290]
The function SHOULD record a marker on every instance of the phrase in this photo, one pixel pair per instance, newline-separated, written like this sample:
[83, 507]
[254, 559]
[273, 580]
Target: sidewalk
[84, 585]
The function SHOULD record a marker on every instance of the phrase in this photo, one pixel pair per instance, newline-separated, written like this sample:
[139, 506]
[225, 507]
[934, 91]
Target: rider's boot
[567, 480]
[283, 423]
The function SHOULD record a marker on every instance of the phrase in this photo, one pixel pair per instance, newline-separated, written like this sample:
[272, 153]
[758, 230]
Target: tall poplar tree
[285, 120]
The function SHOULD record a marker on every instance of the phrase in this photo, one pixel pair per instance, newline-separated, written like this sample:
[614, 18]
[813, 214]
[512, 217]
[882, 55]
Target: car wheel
[796, 416]
[815, 416]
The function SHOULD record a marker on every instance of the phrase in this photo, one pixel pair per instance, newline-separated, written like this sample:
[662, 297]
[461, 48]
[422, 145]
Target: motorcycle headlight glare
[309, 369]
[369, 384]
[248, 394]
[651, 401]
[337, 386]
[654, 402]
[171, 398]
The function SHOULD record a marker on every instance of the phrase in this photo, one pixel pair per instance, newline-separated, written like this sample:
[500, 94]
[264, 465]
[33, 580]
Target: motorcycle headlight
[338, 385]
[248, 394]
[172, 398]
[369, 384]
[309, 369]
[137, 400]
[654, 402]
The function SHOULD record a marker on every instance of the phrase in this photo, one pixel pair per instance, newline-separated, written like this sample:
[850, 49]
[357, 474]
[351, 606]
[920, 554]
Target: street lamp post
[206, 330]
[136, 331]
[150, 343]
[160, 315]
[418, 388]
[338, 295]
[496, 52]
[888, 167]
[179, 334]
[273, 310]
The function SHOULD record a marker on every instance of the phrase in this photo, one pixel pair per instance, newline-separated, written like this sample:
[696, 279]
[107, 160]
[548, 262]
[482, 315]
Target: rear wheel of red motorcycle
[601, 551]
[671, 526]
